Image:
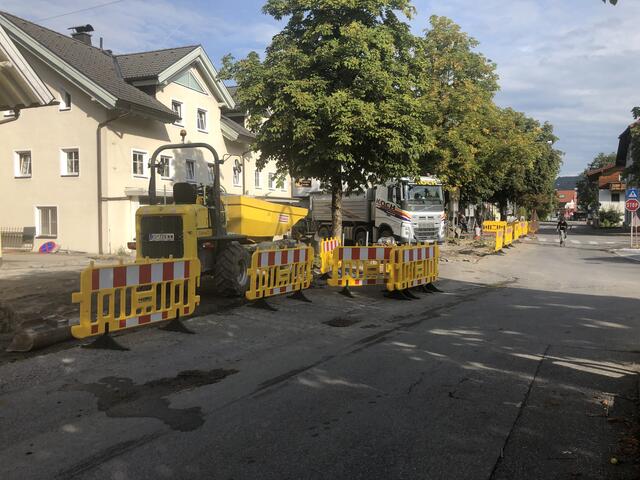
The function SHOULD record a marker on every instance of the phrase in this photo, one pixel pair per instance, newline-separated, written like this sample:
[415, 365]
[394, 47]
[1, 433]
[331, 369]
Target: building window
[47, 221]
[164, 167]
[257, 175]
[202, 120]
[236, 177]
[615, 197]
[281, 184]
[23, 163]
[138, 163]
[9, 113]
[65, 100]
[212, 172]
[176, 106]
[561, 196]
[191, 171]
[272, 181]
[70, 162]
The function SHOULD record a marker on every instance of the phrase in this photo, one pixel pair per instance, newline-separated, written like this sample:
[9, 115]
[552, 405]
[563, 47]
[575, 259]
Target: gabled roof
[195, 56]
[93, 70]
[145, 65]
[20, 87]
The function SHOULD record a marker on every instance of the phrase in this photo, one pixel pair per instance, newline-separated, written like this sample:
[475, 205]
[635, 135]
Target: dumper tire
[230, 275]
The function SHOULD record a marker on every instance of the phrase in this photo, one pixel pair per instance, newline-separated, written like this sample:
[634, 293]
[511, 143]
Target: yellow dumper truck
[219, 230]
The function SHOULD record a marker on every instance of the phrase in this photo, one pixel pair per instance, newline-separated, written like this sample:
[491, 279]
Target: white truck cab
[412, 209]
[409, 209]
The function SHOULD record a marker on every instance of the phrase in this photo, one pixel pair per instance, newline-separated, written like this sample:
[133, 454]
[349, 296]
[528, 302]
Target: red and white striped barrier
[139, 274]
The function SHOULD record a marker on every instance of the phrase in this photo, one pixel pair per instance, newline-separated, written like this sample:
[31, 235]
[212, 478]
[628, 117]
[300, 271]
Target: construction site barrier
[496, 230]
[359, 266]
[516, 231]
[117, 297]
[276, 272]
[508, 235]
[413, 265]
[327, 246]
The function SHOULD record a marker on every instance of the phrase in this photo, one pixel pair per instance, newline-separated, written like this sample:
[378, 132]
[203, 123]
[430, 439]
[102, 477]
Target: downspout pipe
[99, 173]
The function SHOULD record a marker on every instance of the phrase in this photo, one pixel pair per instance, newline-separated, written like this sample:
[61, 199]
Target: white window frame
[237, 177]
[16, 163]
[179, 123]
[66, 100]
[64, 170]
[9, 113]
[206, 120]
[257, 179]
[272, 181]
[37, 213]
[169, 160]
[145, 159]
[186, 171]
[211, 171]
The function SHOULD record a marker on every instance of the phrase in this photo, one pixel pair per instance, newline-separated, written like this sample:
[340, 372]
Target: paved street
[524, 368]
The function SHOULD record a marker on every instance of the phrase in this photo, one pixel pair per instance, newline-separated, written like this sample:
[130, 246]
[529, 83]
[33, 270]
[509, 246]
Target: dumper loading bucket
[259, 219]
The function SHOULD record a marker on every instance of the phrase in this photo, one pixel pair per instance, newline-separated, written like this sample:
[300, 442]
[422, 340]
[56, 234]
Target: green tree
[334, 96]
[588, 189]
[455, 89]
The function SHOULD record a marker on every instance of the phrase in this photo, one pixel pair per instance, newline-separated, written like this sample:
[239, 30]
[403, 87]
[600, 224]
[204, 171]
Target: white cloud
[572, 63]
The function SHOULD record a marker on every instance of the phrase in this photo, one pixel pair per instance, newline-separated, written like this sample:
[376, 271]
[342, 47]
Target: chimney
[82, 33]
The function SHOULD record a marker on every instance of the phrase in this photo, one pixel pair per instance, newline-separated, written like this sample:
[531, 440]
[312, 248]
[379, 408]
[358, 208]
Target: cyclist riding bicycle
[562, 228]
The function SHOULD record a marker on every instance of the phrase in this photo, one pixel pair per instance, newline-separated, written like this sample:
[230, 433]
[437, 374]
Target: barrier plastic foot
[262, 304]
[397, 295]
[176, 325]
[410, 294]
[298, 295]
[432, 288]
[105, 342]
[346, 292]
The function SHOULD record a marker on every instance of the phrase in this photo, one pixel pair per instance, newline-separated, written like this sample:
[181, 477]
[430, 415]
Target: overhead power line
[102, 5]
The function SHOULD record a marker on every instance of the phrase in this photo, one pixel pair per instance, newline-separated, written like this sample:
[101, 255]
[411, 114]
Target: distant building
[567, 194]
[611, 188]
[77, 171]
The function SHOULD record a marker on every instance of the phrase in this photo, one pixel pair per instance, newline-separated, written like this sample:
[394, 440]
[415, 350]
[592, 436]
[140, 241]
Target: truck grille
[426, 231]
[161, 236]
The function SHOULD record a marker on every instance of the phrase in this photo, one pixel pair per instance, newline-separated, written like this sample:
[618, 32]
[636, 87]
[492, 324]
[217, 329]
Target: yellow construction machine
[220, 230]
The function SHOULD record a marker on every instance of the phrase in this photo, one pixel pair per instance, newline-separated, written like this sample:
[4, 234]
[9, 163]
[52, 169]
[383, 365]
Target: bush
[610, 217]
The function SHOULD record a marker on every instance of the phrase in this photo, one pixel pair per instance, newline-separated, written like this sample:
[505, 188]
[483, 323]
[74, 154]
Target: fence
[327, 247]
[116, 297]
[275, 272]
[358, 266]
[413, 265]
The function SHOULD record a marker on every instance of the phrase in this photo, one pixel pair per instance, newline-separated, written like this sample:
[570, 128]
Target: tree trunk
[336, 207]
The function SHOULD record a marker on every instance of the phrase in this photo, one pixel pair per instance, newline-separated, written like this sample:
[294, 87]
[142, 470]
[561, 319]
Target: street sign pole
[632, 204]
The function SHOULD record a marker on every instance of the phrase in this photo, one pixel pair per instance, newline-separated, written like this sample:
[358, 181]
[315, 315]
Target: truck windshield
[419, 195]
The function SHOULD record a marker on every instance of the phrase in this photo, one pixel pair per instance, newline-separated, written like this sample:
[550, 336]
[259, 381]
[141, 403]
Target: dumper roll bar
[217, 201]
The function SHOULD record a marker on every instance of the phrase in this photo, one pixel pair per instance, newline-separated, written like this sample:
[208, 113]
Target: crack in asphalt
[523, 405]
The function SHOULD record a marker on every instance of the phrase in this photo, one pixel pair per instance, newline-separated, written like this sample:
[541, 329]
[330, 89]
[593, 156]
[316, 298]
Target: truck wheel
[361, 237]
[324, 232]
[230, 276]
[385, 232]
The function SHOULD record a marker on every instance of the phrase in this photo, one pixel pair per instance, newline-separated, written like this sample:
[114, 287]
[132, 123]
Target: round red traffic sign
[632, 205]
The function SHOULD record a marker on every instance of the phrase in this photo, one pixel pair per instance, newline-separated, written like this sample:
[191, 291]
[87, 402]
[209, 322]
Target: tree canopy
[347, 94]
[587, 189]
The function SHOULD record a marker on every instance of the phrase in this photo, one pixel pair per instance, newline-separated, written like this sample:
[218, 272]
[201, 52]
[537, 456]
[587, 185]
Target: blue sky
[571, 62]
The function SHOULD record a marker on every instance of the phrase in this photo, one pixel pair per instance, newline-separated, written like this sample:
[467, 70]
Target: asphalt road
[526, 367]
